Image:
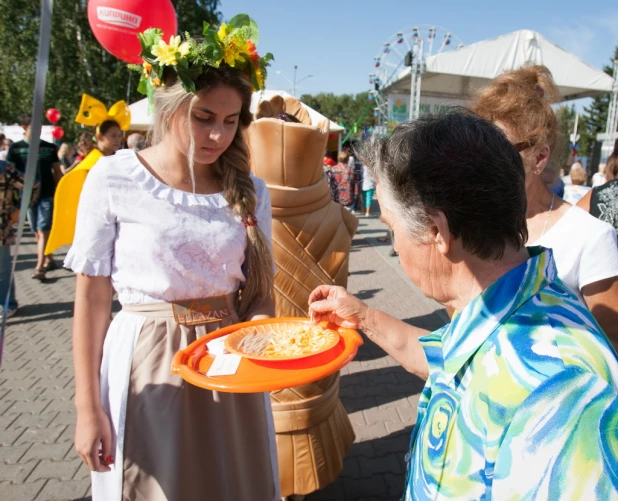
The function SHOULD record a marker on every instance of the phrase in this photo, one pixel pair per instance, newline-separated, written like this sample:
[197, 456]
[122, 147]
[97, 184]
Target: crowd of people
[351, 183]
[576, 184]
[53, 163]
[521, 385]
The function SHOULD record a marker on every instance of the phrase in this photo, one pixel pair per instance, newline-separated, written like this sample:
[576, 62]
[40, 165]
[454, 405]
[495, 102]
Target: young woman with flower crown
[182, 220]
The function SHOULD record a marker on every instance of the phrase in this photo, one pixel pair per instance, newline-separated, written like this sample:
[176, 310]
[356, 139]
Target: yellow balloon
[66, 201]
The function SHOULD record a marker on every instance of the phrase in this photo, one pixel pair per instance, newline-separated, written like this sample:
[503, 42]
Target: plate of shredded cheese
[275, 369]
[281, 341]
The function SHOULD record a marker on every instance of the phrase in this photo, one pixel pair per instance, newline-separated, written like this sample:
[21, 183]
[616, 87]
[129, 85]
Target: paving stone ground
[37, 417]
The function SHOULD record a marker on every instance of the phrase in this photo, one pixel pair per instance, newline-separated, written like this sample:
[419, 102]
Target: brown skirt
[184, 443]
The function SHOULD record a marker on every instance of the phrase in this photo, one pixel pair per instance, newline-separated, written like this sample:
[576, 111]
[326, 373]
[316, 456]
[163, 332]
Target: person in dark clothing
[602, 201]
[41, 206]
[356, 169]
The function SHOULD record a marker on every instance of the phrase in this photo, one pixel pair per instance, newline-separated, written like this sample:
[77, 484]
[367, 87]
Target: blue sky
[336, 40]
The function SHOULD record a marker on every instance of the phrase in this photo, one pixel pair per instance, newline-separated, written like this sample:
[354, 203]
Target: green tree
[566, 123]
[594, 119]
[192, 14]
[78, 64]
[348, 109]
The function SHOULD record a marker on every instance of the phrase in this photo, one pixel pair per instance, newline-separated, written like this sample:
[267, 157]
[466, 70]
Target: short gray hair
[461, 165]
[375, 154]
[136, 141]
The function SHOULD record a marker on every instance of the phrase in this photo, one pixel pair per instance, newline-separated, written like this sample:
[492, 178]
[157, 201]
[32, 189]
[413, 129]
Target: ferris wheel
[407, 48]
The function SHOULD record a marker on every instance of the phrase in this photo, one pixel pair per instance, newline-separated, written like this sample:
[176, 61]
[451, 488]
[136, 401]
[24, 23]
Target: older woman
[522, 383]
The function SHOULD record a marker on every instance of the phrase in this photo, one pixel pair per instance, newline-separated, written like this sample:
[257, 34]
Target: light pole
[294, 82]
[301, 80]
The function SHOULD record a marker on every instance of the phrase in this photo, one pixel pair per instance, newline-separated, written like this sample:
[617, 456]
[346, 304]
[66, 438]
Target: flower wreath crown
[233, 44]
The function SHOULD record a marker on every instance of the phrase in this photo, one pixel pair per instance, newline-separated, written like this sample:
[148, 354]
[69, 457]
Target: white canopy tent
[457, 74]
[16, 132]
[141, 120]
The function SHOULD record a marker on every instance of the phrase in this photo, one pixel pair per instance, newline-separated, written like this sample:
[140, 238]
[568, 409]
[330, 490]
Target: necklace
[551, 206]
[161, 170]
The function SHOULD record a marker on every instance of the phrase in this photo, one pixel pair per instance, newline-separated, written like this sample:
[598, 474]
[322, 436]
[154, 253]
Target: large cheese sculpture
[311, 245]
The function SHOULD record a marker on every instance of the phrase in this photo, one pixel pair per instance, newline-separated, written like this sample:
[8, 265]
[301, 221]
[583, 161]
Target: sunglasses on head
[523, 145]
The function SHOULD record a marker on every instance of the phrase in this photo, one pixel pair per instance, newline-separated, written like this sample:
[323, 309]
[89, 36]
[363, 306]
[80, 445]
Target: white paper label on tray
[217, 346]
[224, 365]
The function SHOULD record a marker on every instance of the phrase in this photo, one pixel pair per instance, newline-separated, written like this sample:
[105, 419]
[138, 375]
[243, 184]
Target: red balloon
[57, 132]
[116, 23]
[53, 115]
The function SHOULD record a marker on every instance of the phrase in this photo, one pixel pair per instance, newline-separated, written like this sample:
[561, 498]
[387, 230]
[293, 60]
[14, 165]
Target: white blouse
[158, 243]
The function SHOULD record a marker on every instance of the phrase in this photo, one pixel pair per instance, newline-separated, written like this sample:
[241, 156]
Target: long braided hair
[232, 168]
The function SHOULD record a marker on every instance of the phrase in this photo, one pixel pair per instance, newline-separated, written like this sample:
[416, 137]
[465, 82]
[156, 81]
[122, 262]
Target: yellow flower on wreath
[166, 54]
[238, 51]
[224, 31]
[232, 53]
[236, 48]
[259, 78]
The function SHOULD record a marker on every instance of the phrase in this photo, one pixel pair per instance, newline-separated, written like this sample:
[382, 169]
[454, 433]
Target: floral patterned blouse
[344, 178]
[11, 185]
[521, 402]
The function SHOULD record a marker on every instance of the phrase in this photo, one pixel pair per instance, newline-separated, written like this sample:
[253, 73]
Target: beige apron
[184, 443]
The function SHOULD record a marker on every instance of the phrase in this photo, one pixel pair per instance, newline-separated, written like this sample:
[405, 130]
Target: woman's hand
[335, 304]
[398, 339]
[93, 439]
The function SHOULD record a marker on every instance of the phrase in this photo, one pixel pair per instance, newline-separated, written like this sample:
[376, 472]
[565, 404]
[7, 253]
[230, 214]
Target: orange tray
[257, 376]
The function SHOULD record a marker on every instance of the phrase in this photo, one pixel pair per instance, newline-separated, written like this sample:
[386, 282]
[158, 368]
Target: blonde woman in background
[577, 189]
[181, 220]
